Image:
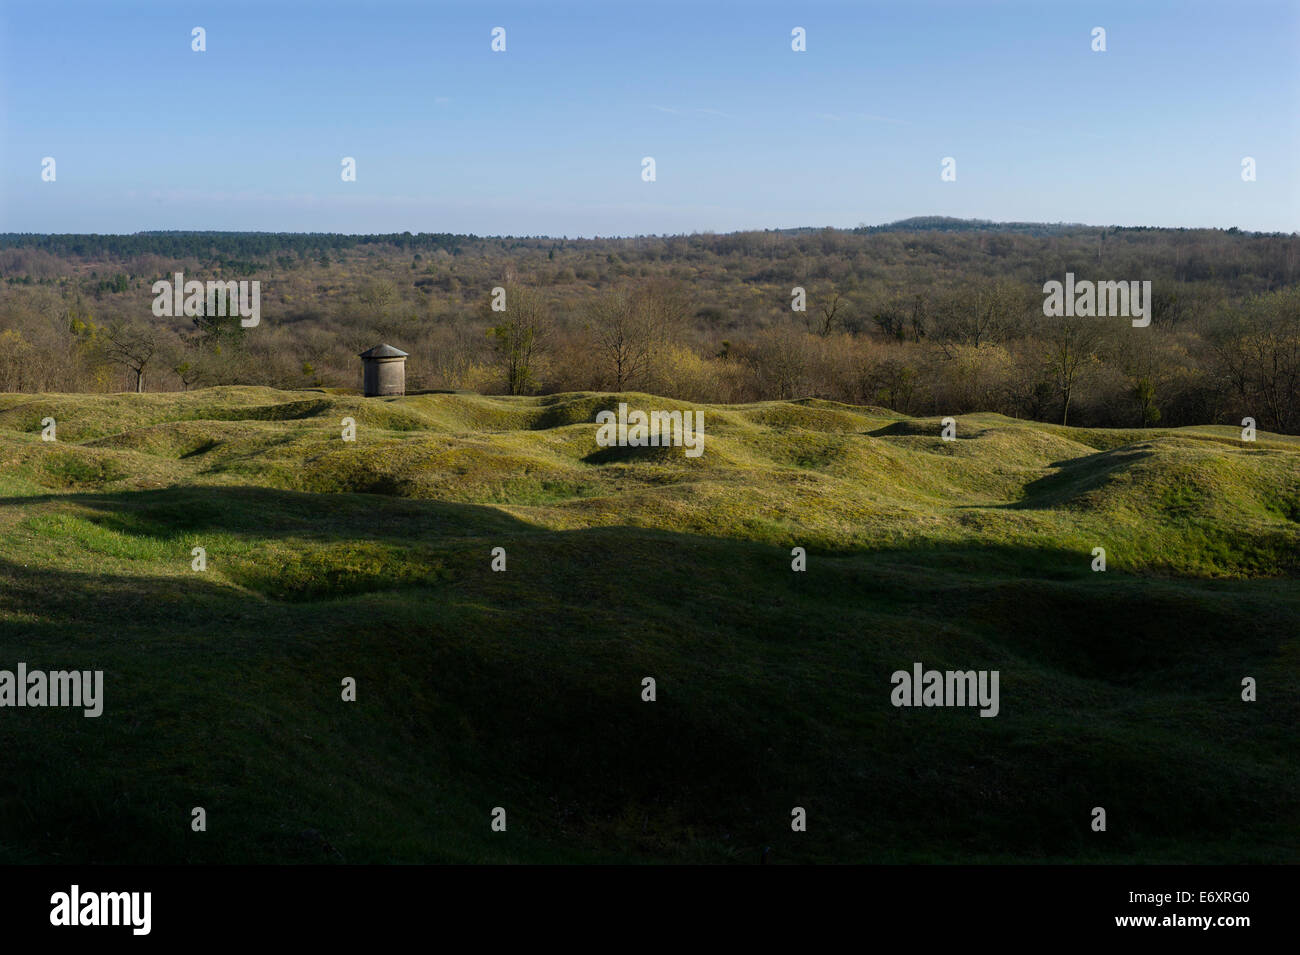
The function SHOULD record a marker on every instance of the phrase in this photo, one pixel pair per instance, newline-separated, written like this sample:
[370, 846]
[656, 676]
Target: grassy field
[476, 689]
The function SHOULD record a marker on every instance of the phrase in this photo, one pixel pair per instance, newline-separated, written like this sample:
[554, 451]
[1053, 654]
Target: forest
[924, 316]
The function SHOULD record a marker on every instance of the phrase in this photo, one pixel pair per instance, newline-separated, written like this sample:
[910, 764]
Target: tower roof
[383, 351]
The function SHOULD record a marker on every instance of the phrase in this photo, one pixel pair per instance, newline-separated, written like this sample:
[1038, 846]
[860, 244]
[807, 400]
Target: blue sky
[548, 137]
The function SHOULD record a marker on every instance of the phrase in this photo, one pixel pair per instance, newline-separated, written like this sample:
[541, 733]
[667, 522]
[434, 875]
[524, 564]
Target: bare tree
[15, 352]
[1071, 345]
[978, 314]
[1258, 351]
[622, 331]
[377, 294]
[522, 337]
[829, 309]
[632, 328]
[779, 359]
[132, 344]
[667, 304]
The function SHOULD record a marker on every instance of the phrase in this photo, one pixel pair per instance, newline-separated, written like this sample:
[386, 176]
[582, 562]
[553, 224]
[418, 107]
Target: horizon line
[899, 223]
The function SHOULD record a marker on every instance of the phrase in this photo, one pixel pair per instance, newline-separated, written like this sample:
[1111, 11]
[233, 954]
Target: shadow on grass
[168, 513]
[524, 689]
[1075, 478]
[1040, 603]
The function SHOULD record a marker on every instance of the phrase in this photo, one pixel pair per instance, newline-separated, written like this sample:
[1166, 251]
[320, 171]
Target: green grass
[522, 689]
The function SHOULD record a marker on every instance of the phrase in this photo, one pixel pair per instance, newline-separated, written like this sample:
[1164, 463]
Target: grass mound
[499, 586]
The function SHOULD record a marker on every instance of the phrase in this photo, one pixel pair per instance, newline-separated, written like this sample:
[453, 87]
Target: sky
[549, 136]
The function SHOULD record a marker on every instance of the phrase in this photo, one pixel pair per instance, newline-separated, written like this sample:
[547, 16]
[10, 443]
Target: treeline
[930, 316]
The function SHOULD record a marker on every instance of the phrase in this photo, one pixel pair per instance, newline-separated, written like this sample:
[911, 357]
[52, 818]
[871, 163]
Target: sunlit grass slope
[371, 559]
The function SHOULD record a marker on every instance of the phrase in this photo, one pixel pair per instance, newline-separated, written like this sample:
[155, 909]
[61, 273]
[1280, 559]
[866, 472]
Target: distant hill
[949, 224]
[189, 242]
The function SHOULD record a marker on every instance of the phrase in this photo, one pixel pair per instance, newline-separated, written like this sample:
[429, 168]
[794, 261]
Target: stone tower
[383, 371]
